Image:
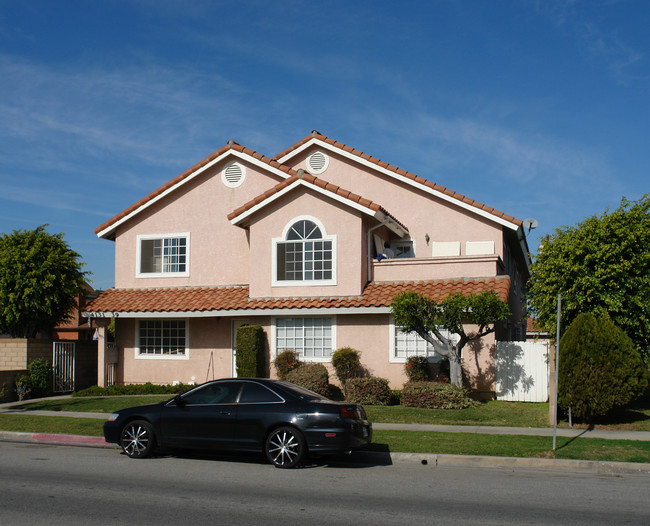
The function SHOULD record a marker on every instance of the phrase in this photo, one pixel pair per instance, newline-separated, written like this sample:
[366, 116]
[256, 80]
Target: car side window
[221, 393]
[254, 393]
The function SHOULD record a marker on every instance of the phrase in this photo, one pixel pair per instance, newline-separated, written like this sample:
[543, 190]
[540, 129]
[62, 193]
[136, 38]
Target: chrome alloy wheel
[285, 447]
[137, 439]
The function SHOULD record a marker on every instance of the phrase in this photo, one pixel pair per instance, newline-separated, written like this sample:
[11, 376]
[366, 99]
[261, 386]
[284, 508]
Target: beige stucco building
[292, 244]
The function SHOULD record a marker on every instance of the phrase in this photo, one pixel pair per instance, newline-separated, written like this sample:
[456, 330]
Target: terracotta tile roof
[304, 176]
[233, 298]
[230, 146]
[460, 197]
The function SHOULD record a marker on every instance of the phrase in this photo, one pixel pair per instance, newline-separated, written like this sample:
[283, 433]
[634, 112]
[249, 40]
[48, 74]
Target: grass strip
[492, 413]
[27, 423]
[510, 446]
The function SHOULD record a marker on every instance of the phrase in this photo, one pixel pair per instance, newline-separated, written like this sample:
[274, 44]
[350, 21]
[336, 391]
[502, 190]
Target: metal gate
[63, 362]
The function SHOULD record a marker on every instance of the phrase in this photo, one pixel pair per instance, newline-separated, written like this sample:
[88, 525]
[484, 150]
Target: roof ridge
[399, 171]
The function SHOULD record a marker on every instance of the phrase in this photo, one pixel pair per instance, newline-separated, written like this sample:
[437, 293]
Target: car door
[202, 418]
[258, 408]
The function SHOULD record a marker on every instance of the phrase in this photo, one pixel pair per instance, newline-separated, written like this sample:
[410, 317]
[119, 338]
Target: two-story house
[292, 243]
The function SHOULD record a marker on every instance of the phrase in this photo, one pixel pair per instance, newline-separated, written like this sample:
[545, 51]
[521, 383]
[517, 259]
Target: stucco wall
[218, 249]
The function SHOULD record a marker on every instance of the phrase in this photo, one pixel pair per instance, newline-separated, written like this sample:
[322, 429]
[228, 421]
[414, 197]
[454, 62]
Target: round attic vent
[318, 162]
[233, 175]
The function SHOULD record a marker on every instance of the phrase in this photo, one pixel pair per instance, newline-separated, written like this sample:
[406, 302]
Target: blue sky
[537, 108]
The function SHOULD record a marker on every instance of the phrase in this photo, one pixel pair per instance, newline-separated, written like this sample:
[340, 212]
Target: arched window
[304, 254]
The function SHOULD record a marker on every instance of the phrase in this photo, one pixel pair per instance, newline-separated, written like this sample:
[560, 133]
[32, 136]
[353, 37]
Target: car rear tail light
[352, 411]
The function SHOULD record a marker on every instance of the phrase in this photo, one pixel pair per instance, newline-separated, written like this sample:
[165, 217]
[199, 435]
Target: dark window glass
[255, 393]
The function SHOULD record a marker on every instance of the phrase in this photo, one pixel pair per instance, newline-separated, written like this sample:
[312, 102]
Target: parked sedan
[285, 421]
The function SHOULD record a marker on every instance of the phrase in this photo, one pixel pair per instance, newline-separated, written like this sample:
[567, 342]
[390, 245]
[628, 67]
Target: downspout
[369, 237]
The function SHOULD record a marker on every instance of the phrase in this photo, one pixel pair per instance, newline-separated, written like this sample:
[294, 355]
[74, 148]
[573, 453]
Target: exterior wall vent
[318, 162]
[233, 174]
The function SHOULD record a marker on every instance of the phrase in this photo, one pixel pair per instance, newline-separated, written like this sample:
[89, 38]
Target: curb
[55, 439]
[426, 460]
[433, 460]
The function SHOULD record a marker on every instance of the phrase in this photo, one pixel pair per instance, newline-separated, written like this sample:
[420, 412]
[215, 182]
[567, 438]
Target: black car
[285, 421]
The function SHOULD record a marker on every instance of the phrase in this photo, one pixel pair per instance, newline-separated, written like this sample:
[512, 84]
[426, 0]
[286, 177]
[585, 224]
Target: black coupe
[285, 421]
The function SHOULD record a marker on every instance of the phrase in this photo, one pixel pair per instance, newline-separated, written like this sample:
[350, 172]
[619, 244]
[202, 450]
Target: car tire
[285, 447]
[137, 439]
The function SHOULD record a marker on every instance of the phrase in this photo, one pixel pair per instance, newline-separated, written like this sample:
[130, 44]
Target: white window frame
[149, 237]
[148, 356]
[275, 282]
[306, 359]
[429, 352]
[395, 245]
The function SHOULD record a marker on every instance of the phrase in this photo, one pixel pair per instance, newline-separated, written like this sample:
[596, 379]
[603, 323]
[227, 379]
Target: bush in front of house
[417, 368]
[250, 351]
[312, 376]
[435, 395]
[285, 362]
[40, 377]
[347, 364]
[369, 391]
[134, 389]
[601, 368]
[23, 386]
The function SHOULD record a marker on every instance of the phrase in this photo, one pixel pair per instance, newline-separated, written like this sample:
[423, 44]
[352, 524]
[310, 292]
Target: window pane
[158, 337]
[310, 337]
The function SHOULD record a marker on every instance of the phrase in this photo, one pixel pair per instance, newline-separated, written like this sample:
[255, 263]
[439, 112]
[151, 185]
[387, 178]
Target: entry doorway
[233, 336]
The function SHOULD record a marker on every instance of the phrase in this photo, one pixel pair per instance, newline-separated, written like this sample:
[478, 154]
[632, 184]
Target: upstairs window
[165, 255]
[304, 255]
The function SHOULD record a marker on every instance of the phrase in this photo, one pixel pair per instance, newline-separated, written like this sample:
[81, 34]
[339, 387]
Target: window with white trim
[311, 338]
[162, 338]
[403, 249]
[163, 255]
[304, 254]
[404, 345]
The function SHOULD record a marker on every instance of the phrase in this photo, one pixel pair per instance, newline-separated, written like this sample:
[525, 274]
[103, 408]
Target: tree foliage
[600, 367]
[40, 277]
[602, 265]
[420, 314]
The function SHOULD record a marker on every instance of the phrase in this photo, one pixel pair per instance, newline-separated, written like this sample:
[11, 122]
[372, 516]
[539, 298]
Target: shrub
[23, 386]
[250, 351]
[600, 368]
[347, 364]
[371, 391]
[312, 376]
[435, 395]
[133, 389]
[417, 368]
[285, 362]
[40, 375]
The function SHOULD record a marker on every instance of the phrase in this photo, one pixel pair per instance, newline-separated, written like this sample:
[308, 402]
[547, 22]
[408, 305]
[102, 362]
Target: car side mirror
[179, 401]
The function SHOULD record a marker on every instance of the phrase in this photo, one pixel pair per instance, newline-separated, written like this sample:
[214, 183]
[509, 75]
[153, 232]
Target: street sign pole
[557, 365]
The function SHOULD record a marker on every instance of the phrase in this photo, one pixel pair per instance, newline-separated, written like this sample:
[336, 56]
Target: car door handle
[227, 413]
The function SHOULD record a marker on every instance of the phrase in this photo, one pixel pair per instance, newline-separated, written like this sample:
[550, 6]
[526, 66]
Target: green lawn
[99, 404]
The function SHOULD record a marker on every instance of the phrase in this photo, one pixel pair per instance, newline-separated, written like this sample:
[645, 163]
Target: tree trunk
[455, 370]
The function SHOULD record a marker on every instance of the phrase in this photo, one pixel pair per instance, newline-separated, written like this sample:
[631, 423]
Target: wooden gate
[521, 371]
[63, 366]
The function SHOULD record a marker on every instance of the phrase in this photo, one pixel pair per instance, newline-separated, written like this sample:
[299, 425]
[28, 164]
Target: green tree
[40, 277]
[602, 265]
[600, 367]
[420, 314]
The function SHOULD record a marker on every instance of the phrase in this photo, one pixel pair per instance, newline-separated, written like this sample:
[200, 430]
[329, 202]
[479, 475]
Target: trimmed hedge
[250, 352]
[347, 364]
[370, 391]
[600, 368]
[134, 389]
[285, 362]
[312, 376]
[417, 368]
[435, 395]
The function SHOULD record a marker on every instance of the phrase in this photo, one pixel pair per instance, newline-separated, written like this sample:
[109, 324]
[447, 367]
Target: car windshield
[302, 392]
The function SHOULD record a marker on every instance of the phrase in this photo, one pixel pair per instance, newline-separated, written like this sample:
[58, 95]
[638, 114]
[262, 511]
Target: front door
[235, 325]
